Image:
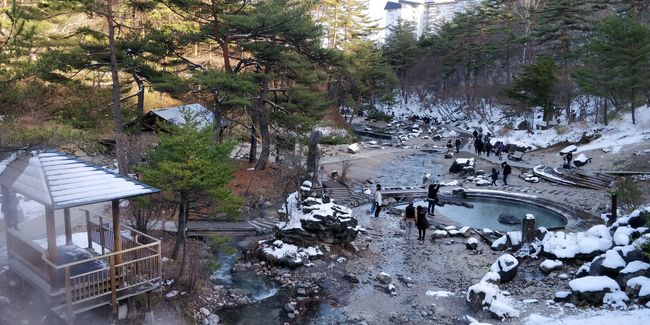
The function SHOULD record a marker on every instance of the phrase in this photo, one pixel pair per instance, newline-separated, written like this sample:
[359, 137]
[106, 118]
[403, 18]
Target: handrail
[58, 267]
[88, 273]
[129, 228]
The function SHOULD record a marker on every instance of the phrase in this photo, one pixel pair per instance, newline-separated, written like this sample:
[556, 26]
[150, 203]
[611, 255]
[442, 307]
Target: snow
[616, 299]
[562, 245]
[642, 282]
[504, 263]
[562, 294]
[613, 260]
[438, 294]
[501, 241]
[622, 235]
[79, 238]
[282, 250]
[296, 214]
[550, 264]
[568, 149]
[472, 241]
[593, 317]
[594, 283]
[529, 217]
[494, 301]
[515, 237]
[635, 266]
[581, 158]
[491, 277]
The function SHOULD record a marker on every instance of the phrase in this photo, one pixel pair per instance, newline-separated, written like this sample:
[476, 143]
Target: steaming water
[486, 211]
[259, 287]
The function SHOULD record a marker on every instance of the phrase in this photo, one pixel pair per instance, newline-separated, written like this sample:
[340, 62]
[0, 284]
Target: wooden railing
[137, 263]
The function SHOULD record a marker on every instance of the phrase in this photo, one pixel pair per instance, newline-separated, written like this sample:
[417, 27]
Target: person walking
[506, 171]
[500, 149]
[432, 197]
[569, 157]
[409, 220]
[373, 192]
[494, 176]
[488, 148]
[421, 222]
[378, 201]
[479, 146]
[457, 143]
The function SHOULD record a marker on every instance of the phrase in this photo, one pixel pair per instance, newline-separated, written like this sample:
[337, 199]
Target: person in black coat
[569, 157]
[506, 171]
[421, 222]
[494, 176]
[432, 197]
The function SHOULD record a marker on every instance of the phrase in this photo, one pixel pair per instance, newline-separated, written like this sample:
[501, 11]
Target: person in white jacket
[378, 201]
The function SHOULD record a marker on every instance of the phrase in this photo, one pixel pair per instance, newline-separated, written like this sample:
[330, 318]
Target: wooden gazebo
[113, 262]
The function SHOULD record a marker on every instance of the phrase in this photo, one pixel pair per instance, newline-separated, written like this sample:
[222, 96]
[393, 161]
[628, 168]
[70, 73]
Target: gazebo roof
[59, 181]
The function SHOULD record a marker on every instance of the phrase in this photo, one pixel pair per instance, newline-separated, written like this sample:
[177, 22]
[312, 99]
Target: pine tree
[345, 22]
[401, 50]
[617, 60]
[535, 86]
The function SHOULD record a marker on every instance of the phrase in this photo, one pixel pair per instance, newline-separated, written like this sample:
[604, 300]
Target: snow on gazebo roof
[59, 181]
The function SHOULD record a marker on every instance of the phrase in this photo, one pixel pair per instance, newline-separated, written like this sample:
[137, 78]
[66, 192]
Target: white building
[424, 14]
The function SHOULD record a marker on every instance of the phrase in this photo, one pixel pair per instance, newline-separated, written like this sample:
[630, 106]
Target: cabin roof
[58, 180]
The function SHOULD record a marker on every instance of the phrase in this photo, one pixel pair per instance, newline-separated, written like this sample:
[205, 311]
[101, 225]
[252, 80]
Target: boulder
[562, 296]
[460, 163]
[384, 278]
[632, 270]
[354, 148]
[639, 220]
[351, 278]
[592, 289]
[612, 264]
[439, 234]
[500, 244]
[471, 244]
[506, 266]
[509, 219]
[523, 125]
[639, 287]
[487, 296]
[311, 220]
[213, 319]
[549, 266]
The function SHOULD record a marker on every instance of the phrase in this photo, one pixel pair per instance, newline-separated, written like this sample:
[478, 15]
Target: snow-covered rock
[562, 245]
[281, 253]
[549, 266]
[354, 148]
[439, 234]
[384, 278]
[639, 287]
[488, 297]
[592, 289]
[568, 149]
[471, 243]
[612, 264]
[311, 220]
[506, 266]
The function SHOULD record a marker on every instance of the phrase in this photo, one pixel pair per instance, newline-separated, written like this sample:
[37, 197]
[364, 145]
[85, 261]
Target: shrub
[378, 115]
[629, 194]
[338, 139]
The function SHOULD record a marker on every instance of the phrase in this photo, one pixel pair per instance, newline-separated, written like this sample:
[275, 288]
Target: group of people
[452, 146]
[416, 217]
[506, 169]
[483, 144]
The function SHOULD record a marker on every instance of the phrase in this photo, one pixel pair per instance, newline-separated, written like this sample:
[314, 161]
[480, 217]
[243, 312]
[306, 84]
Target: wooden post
[102, 235]
[51, 245]
[117, 230]
[68, 226]
[68, 296]
[9, 207]
[528, 229]
[88, 229]
[614, 215]
[111, 261]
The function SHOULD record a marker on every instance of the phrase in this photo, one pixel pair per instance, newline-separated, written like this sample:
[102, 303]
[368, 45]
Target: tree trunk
[605, 113]
[182, 224]
[252, 155]
[216, 122]
[313, 157]
[263, 120]
[140, 103]
[120, 150]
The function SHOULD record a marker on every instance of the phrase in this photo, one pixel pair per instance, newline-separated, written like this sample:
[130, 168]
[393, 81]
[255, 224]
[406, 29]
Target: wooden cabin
[105, 264]
[155, 120]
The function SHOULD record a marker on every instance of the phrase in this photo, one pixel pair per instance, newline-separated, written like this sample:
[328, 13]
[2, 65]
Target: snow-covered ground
[619, 133]
[593, 317]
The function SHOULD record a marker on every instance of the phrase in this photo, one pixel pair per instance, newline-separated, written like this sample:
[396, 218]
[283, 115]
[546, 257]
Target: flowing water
[268, 298]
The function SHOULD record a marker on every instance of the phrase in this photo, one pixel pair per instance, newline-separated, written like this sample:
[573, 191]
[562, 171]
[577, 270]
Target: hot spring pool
[486, 211]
